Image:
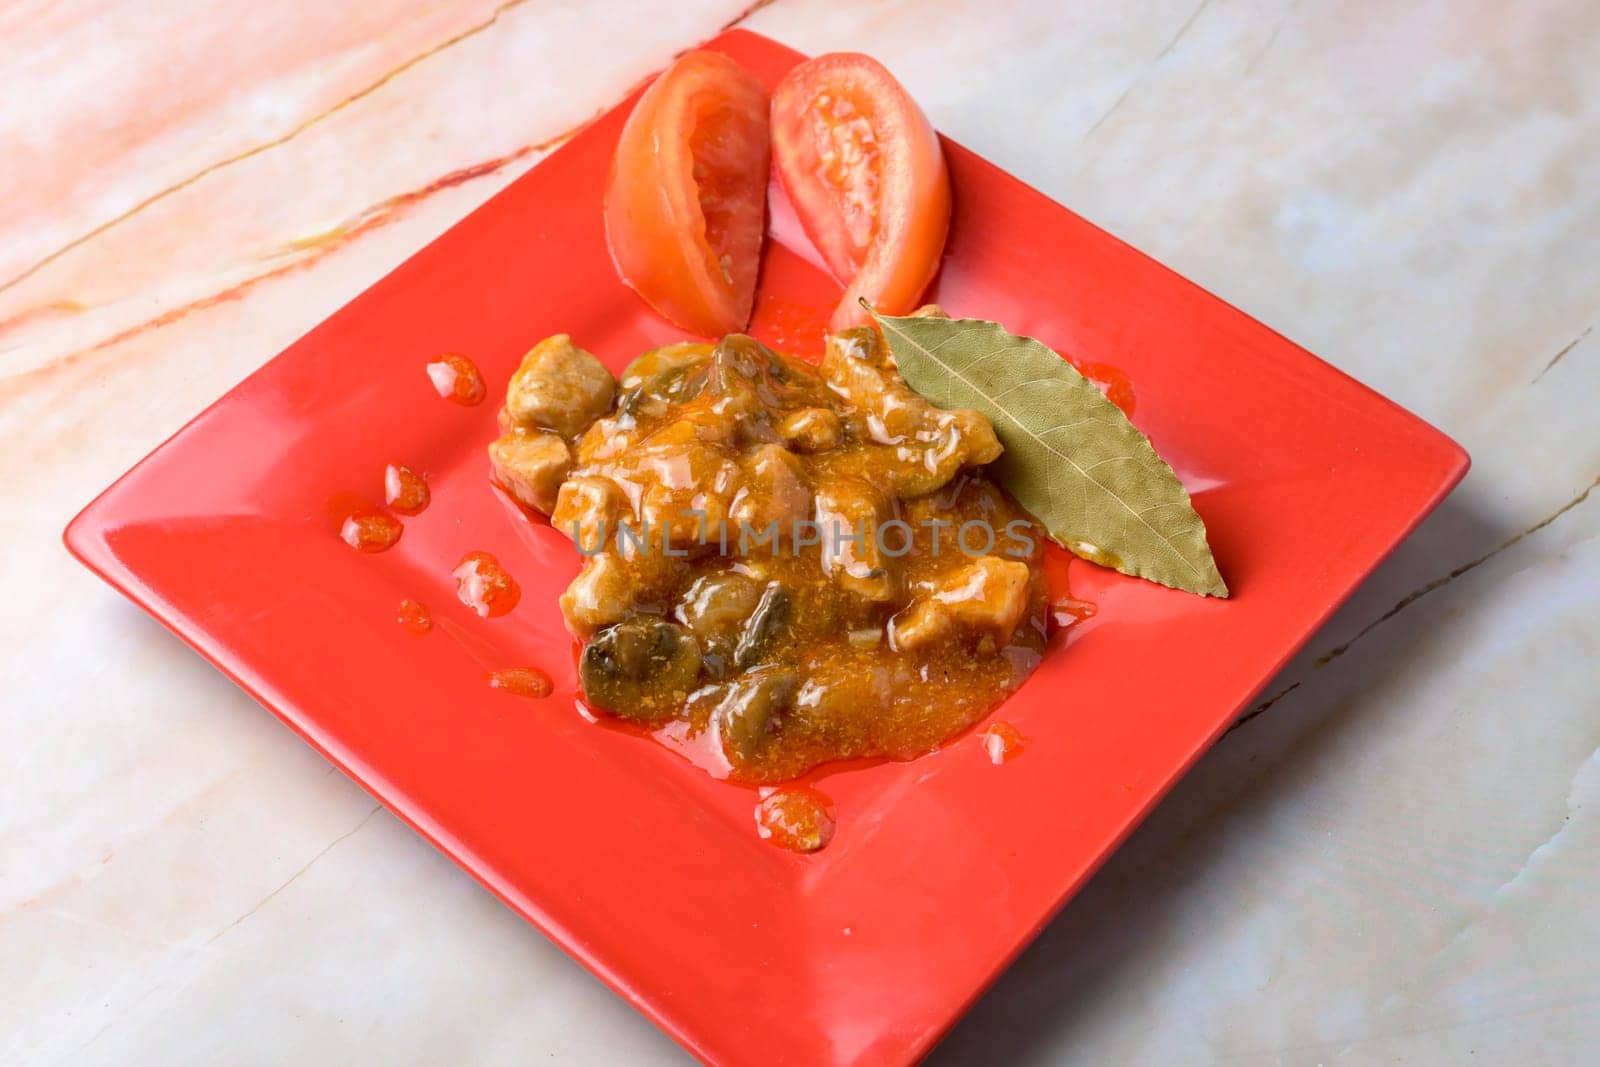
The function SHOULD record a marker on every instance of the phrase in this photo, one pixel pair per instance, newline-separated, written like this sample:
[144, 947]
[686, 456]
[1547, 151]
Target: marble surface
[1393, 859]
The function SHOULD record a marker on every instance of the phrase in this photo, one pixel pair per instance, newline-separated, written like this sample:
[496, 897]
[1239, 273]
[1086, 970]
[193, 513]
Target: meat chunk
[850, 513]
[696, 426]
[610, 588]
[600, 595]
[947, 443]
[531, 466]
[587, 511]
[986, 596]
[915, 447]
[686, 488]
[559, 387]
[606, 438]
[774, 494]
[810, 430]
[682, 520]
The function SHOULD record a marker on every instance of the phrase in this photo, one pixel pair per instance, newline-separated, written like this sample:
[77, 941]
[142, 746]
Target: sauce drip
[795, 818]
[1064, 608]
[457, 379]
[404, 490]
[1112, 382]
[413, 615]
[522, 682]
[1002, 742]
[1065, 611]
[485, 586]
[370, 531]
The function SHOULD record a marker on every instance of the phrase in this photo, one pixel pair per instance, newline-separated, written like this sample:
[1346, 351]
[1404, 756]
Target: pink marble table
[1394, 861]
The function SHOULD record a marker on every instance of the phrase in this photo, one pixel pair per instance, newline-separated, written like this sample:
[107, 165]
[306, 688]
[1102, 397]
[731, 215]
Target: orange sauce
[522, 682]
[485, 586]
[1112, 382]
[413, 615]
[795, 818]
[1066, 611]
[1064, 608]
[457, 379]
[404, 490]
[370, 531]
[1002, 742]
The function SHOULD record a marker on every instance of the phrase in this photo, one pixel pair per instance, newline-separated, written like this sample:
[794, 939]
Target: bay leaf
[1071, 458]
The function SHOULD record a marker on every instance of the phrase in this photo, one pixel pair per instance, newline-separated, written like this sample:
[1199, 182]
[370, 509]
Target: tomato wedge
[685, 202]
[864, 170]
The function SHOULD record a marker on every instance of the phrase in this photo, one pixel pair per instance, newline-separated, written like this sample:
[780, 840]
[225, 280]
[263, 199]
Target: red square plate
[645, 869]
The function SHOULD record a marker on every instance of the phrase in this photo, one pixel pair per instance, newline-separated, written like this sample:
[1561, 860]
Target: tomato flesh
[864, 170]
[685, 202]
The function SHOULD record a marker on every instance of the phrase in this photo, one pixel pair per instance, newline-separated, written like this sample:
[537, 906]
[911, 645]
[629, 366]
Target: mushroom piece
[640, 669]
[717, 603]
[672, 373]
[741, 362]
[771, 618]
[715, 609]
[559, 387]
[750, 714]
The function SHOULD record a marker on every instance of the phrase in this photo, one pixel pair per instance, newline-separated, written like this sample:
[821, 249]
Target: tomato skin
[685, 201]
[864, 170]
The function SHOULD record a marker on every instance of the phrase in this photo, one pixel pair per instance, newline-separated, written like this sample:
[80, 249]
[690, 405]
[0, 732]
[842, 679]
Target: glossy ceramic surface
[640, 865]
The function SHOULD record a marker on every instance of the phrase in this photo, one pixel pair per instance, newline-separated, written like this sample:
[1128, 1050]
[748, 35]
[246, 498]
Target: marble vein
[120, 1015]
[304, 867]
[1568, 347]
[306, 251]
[1272, 39]
[1183, 29]
[1421, 967]
[255, 150]
[289, 135]
[318, 245]
[1542, 849]
[1417, 594]
[1166, 50]
[747, 12]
